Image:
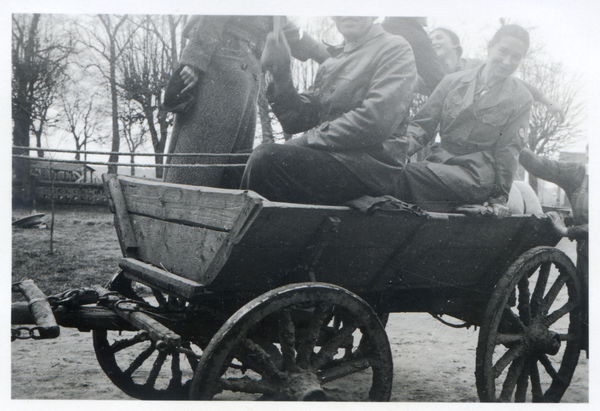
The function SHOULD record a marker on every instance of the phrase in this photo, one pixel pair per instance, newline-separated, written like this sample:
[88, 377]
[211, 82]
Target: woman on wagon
[483, 116]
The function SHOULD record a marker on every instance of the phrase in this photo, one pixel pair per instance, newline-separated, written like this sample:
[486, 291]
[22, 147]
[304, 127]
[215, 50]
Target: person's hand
[557, 111]
[189, 77]
[558, 223]
[276, 56]
[500, 211]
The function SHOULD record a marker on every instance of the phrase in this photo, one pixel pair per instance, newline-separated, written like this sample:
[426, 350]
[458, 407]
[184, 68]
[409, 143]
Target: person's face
[353, 27]
[505, 56]
[442, 43]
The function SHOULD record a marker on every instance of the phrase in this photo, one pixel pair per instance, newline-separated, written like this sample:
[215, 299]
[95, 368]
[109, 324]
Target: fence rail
[93, 193]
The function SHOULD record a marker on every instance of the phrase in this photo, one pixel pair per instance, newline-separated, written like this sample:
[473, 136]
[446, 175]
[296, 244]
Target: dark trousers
[421, 186]
[289, 173]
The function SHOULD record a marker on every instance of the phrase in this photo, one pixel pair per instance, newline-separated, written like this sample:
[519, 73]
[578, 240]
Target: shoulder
[389, 47]
[464, 76]
[519, 91]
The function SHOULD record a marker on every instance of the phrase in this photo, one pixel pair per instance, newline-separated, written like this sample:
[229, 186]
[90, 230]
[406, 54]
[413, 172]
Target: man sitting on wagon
[350, 120]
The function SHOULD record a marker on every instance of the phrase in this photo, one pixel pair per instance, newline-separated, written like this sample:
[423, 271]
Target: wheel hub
[302, 386]
[541, 339]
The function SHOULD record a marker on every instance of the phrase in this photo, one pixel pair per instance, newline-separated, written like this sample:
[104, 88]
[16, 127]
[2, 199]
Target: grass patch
[85, 248]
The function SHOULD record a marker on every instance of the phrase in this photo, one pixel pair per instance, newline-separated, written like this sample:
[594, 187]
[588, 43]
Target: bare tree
[109, 44]
[147, 64]
[82, 118]
[39, 59]
[133, 127]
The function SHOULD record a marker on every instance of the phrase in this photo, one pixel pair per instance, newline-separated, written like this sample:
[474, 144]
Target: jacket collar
[501, 91]
[374, 31]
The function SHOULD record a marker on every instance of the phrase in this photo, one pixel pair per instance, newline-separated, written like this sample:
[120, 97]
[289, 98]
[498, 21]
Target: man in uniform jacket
[349, 120]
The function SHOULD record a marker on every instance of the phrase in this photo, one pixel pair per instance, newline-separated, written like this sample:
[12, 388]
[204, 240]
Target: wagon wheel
[529, 342]
[135, 365]
[305, 341]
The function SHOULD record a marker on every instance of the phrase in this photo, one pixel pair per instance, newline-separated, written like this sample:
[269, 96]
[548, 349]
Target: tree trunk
[116, 137]
[22, 108]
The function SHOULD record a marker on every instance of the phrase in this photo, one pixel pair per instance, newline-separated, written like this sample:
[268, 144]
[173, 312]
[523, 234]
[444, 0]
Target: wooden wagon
[224, 294]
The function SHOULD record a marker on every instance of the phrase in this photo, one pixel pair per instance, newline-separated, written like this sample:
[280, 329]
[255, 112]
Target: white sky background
[570, 30]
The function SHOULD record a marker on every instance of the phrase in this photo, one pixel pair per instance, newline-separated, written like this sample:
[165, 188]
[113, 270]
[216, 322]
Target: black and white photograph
[300, 200]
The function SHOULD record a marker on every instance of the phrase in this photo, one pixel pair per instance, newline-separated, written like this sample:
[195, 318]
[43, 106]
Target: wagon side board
[185, 230]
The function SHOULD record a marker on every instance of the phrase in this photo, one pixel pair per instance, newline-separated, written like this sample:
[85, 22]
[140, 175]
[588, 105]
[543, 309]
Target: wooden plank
[276, 245]
[84, 318]
[213, 208]
[153, 276]
[123, 226]
[184, 250]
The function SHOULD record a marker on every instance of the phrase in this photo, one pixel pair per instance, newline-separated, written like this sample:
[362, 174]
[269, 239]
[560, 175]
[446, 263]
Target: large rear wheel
[309, 341]
[529, 342]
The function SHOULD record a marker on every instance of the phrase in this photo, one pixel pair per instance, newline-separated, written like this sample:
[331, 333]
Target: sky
[569, 28]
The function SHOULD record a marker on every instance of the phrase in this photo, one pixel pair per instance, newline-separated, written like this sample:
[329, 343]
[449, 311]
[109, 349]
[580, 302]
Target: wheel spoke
[567, 337]
[307, 346]
[508, 357]
[135, 364]
[558, 314]
[158, 363]
[514, 372]
[176, 373]
[331, 347]
[126, 343]
[506, 339]
[540, 287]
[523, 382]
[524, 307]
[287, 339]
[536, 385]
[345, 368]
[545, 361]
[552, 294]
[513, 318]
[259, 360]
[191, 356]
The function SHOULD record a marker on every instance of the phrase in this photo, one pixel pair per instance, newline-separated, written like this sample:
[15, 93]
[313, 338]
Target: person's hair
[453, 38]
[511, 30]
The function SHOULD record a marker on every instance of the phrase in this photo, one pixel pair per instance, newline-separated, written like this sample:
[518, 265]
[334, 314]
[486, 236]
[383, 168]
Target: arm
[295, 112]
[423, 127]
[380, 113]
[506, 153]
[428, 67]
[540, 97]
[303, 46]
[578, 232]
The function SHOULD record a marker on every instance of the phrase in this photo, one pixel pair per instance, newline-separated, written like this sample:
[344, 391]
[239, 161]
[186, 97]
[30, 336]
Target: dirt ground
[432, 362]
